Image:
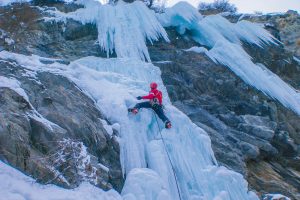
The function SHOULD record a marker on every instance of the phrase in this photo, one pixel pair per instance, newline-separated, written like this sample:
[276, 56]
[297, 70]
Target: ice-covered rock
[56, 129]
[123, 28]
[188, 146]
[225, 42]
[14, 85]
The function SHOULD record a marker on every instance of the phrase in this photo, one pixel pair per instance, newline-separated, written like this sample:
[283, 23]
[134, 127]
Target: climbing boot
[133, 110]
[168, 125]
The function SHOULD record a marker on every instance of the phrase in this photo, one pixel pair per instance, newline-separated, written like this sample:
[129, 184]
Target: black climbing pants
[158, 109]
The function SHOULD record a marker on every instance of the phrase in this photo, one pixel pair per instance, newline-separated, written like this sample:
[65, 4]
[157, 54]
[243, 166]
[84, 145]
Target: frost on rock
[188, 146]
[13, 84]
[224, 39]
[123, 28]
[72, 157]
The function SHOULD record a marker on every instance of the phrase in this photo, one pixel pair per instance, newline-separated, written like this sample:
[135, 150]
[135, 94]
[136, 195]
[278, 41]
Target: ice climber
[155, 102]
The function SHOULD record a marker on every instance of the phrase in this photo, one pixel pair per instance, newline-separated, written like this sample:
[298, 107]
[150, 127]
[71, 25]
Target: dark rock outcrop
[25, 31]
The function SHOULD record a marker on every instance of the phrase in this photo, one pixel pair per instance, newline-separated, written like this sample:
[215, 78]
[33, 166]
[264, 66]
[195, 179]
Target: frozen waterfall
[113, 83]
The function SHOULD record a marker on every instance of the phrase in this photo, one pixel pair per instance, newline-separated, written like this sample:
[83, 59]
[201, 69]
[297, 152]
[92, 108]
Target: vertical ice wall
[114, 83]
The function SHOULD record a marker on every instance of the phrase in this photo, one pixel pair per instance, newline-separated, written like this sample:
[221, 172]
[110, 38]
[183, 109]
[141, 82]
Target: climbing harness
[172, 166]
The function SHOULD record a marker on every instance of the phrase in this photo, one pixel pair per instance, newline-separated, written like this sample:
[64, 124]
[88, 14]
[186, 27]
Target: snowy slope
[16, 186]
[113, 84]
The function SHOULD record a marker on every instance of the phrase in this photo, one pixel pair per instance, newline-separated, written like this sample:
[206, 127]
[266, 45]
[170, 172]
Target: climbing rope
[165, 146]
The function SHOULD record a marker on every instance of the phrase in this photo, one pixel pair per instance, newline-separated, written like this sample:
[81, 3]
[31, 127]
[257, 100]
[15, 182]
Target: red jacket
[154, 96]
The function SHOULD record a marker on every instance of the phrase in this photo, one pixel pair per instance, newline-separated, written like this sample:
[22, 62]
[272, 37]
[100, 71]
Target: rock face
[250, 133]
[56, 135]
[28, 34]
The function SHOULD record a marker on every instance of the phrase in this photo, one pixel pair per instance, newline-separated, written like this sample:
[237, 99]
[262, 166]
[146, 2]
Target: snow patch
[163, 62]
[18, 186]
[9, 41]
[14, 85]
[197, 49]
